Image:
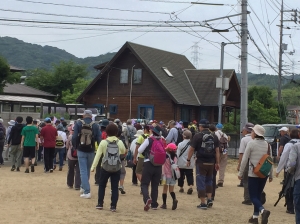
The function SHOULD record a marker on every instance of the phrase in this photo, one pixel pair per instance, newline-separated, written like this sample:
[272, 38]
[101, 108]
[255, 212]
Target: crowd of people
[158, 153]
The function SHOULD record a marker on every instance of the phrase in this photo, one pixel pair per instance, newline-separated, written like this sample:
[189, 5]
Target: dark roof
[101, 66]
[23, 90]
[178, 86]
[15, 69]
[204, 84]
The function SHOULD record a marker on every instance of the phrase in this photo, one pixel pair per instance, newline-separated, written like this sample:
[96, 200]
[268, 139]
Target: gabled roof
[178, 86]
[204, 84]
[21, 90]
[24, 99]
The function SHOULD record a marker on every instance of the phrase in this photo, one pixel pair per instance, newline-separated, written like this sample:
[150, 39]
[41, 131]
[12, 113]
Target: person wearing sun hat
[285, 138]
[254, 152]
[168, 179]
[151, 174]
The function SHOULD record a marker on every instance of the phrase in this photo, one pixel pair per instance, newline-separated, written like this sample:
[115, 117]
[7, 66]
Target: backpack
[130, 134]
[179, 136]
[86, 138]
[157, 153]
[264, 165]
[175, 169]
[129, 159]
[2, 134]
[223, 143]
[59, 142]
[207, 149]
[111, 159]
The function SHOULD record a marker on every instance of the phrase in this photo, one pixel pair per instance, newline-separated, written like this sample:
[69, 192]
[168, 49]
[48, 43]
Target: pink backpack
[157, 155]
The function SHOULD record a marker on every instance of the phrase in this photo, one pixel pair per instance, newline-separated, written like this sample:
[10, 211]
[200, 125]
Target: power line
[92, 7]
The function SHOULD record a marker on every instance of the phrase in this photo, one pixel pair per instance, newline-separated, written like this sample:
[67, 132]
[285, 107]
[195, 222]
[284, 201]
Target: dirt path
[44, 198]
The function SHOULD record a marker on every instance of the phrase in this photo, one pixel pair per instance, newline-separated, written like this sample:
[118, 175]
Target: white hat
[259, 130]
[283, 129]
[11, 122]
[139, 133]
[1, 120]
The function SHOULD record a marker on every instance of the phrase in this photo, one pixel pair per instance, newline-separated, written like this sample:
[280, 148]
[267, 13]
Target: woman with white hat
[255, 150]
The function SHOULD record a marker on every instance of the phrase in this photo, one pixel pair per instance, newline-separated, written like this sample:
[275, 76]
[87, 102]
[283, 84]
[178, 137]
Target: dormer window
[167, 71]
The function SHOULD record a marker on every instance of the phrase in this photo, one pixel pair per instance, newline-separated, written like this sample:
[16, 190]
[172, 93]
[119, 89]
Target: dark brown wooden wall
[149, 92]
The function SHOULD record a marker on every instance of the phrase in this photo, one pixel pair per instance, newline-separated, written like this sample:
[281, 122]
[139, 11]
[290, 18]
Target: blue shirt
[77, 130]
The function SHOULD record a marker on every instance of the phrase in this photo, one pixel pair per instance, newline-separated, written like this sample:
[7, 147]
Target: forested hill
[269, 80]
[31, 56]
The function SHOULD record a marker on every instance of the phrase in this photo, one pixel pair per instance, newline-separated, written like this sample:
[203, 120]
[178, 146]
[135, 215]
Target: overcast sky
[84, 41]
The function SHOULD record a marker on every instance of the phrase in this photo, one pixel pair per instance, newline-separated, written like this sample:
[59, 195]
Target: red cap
[195, 122]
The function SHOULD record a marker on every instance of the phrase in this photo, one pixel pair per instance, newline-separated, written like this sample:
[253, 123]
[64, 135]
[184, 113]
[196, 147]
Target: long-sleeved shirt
[172, 136]
[285, 154]
[143, 147]
[294, 161]
[77, 130]
[182, 160]
[254, 151]
[102, 149]
[4, 132]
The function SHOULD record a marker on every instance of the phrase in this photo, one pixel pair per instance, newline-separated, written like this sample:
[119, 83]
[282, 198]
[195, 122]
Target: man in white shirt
[244, 141]
[60, 147]
[223, 146]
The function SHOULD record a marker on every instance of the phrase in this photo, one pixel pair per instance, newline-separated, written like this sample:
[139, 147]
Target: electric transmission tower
[195, 55]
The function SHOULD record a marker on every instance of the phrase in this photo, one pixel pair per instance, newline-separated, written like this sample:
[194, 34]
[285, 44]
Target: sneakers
[71, 187]
[81, 191]
[86, 196]
[181, 190]
[290, 212]
[51, 170]
[220, 184]
[13, 168]
[113, 208]
[174, 206]
[27, 171]
[190, 191]
[32, 168]
[18, 169]
[209, 203]
[121, 189]
[164, 206]
[60, 168]
[247, 202]
[253, 220]
[77, 188]
[99, 207]
[240, 185]
[202, 206]
[265, 216]
[147, 205]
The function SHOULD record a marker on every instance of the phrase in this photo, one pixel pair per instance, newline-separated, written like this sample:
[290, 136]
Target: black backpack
[207, 149]
[2, 134]
[179, 136]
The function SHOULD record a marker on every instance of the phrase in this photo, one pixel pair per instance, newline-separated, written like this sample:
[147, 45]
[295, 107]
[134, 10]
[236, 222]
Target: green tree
[61, 78]
[69, 96]
[258, 114]
[262, 94]
[5, 75]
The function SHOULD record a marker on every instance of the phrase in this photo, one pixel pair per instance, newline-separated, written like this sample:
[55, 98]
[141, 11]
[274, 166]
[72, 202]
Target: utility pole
[244, 65]
[280, 53]
[221, 89]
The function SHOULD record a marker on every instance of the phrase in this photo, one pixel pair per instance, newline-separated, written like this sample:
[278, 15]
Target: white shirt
[244, 142]
[182, 160]
[63, 135]
[132, 147]
[285, 155]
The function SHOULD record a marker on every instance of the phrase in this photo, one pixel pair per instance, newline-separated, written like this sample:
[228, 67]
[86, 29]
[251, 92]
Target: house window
[167, 71]
[186, 113]
[113, 109]
[137, 76]
[124, 76]
[146, 112]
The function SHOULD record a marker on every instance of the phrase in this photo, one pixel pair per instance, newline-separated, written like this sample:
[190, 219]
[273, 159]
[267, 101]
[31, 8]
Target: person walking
[255, 150]
[223, 146]
[73, 176]
[206, 144]
[48, 138]
[173, 133]
[11, 123]
[293, 166]
[185, 171]
[86, 133]
[129, 132]
[151, 174]
[134, 179]
[168, 179]
[29, 143]
[14, 141]
[246, 132]
[2, 140]
[285, 138]
[104, 149]
[282, 165]
[60, 146]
